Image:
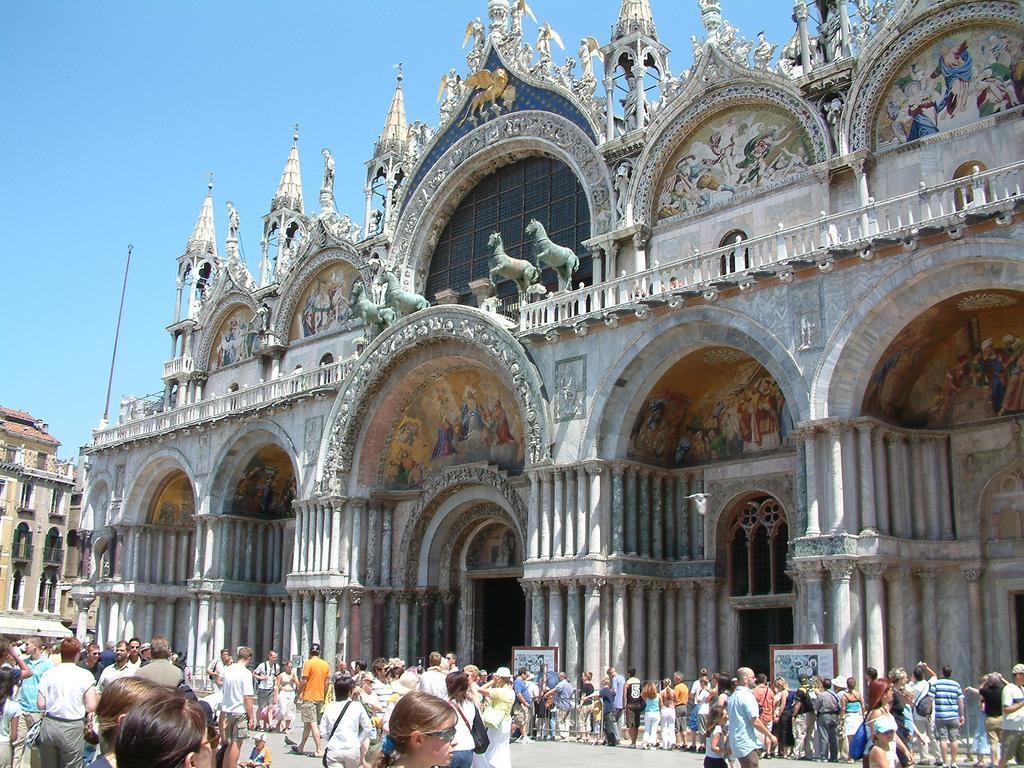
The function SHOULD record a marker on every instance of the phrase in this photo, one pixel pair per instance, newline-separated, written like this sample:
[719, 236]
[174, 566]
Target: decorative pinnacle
[398, 67]
[295, 136]
[209, 185]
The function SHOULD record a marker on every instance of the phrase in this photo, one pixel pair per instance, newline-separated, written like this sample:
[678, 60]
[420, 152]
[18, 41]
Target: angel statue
[475, 32]
[589, 48]
[544, 37]
[519, 7]
[763, 52]
[448, 93]
[328, 170]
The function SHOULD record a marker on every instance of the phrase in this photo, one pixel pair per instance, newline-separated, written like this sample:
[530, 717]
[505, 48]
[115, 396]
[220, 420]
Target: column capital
[709, 587]
[841, 570]
[619, 587]
[356, 595]
[405, 595]
[657, 587]
[809, 570]
[594, 466]
[330, 595]
[873, 570]
[971, 571]
[594, 583]
[893, 438]
[378, 597]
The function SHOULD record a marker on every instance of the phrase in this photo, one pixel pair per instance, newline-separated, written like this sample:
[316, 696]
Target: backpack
[925, 704]
[858, 746]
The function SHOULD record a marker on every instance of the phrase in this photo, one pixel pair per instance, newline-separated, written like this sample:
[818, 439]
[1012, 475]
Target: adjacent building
[752, 372]
[35, 496]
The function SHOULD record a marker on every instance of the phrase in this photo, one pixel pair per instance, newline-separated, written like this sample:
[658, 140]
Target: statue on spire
[475, 32]
[711, 17]
[328, 185]
[232, 221]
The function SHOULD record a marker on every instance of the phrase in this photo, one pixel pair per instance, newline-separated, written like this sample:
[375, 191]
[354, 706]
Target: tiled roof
[24, 425]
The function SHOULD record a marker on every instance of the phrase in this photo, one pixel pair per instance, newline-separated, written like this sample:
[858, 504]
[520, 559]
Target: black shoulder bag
[481, 741]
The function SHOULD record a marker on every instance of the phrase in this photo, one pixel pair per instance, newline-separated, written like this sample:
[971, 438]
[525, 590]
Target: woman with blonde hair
[285, 685]
[497, 716]
[652, 715]
[118, 698]
[668, 714]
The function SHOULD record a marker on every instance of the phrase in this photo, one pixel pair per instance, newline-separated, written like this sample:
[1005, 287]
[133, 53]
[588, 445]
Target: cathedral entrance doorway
[759, 629]
[500, 618]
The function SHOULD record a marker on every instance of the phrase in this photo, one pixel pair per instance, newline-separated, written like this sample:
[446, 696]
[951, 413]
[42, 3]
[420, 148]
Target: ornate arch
[144, 483]
[298, 280]
[448, 324]
[460, 535]
[210, 324]
[661, 345]
[442, 487]
[878, 65]
[227, 462]
[486, 148]
[687, 114]
[864, 333]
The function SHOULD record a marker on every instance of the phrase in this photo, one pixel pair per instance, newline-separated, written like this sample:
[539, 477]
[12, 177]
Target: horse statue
[563, 260]
[504, 267]
[401, 302]
[373, 315]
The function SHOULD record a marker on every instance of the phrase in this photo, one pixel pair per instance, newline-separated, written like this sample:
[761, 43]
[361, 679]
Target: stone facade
[692, 470]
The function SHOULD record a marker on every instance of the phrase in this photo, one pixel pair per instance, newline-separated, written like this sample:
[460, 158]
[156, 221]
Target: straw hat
[408, 682]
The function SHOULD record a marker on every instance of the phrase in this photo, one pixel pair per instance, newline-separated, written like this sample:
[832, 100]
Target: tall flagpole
[117, 335]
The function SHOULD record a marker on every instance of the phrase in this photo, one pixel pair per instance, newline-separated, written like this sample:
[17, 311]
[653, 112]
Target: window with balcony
[53, 547]
[21, 546]
[17, 588]
[47, 599]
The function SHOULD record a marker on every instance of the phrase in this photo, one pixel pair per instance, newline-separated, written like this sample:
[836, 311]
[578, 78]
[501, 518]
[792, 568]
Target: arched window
[738, 257]
[233, 387]
[206, 278]
[327, 359]
[965, 196]
[17, 588]
[21, 546]
[534, 188]
[52, 547]
[758, 540]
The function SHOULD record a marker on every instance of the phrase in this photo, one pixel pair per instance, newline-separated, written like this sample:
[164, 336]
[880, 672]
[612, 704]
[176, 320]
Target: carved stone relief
[571, 388]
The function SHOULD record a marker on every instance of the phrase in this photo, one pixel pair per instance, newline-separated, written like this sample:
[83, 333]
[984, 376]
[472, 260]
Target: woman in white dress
[285, 685]
[497, 716]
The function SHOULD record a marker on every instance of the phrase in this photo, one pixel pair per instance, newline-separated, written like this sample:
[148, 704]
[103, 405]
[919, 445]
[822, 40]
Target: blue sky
[115, 112]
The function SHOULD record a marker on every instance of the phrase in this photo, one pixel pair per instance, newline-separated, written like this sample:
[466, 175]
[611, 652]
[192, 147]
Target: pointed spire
[289, 190]
[396, 128]
[635, 16]
[204, 238]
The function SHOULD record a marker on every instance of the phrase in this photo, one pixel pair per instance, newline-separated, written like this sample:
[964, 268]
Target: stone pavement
[542, 754]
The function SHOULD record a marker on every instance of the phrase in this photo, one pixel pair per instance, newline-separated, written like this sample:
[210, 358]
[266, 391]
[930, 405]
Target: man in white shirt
[1011, 741]
[215, 670]
[120, 668]
[236, 710]
[435, 679]
[265, 675]
[745, 721]
[66, 693]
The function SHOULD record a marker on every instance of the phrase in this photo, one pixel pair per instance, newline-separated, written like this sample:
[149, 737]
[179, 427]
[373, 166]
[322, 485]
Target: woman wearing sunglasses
[421, 732]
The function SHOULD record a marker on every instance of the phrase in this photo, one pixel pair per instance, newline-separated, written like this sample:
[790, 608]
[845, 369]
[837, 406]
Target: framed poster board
[791, 661]
[536, 658]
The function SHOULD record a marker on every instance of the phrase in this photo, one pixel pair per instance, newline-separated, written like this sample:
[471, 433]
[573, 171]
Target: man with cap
[1011, 741]
[312, 692]
[260, 754]
[522, 709]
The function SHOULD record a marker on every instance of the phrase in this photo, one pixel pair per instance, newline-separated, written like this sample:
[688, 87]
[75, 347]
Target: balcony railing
[925, 211]
[53, 555]
[178, 366]
[22, 552]
[289, 387]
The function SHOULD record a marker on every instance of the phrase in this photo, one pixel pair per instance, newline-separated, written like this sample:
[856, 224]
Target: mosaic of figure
[457, 417]
[961, 361]
[956, 80]
[266, 487]
[730, 154]
[325, 304]
[713, 404]
[174, 503]
[238, 338]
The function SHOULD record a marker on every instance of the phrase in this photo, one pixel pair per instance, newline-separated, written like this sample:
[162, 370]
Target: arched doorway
[492, 562]
[760, 590]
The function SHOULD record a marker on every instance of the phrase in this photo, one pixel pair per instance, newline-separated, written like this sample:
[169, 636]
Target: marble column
[811, 470]
[929, 611]
[558, 513]
[572, 629]
[355, 640]
[403, 625]
[210, 530]
[294, 625]
[709, 596]
[260, 574]
[571, 509]
[643, 517]
[880, 467]
[276, 638]
[657, 518]
[688, 637]
[655, 630]
[630, 524]
[837, 523]
[149, 619]
[220, 608]
[815, 602]
[203, 636]
[918, 480]
[330, 625]
[618, 636]
[545, 514]
[252, 626]
[385, 545]
[129, 618]
[372, 540]
[874, 625]
[617, 511]
[972, 575]
[582, 507]
[669, 659]
[868, 516]
[306, 623]
[841, 629]
[344, 619]
[682, 511]
[237, 625]
[356, 566]
[556, 616]
[671, 545]
[318, 618]
[533, 521]
[899, 594]
[943, 485]
[538, 613]
[592, 661]
[341, 542]
[637, 621]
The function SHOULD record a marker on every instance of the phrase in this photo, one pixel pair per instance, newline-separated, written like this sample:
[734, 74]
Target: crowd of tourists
[134, 705]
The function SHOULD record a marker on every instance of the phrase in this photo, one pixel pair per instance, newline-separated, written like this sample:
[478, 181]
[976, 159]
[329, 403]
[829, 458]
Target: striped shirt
[948, 695]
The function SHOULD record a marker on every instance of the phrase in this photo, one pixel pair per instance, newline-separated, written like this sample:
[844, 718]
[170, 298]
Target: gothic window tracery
[758, 541]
